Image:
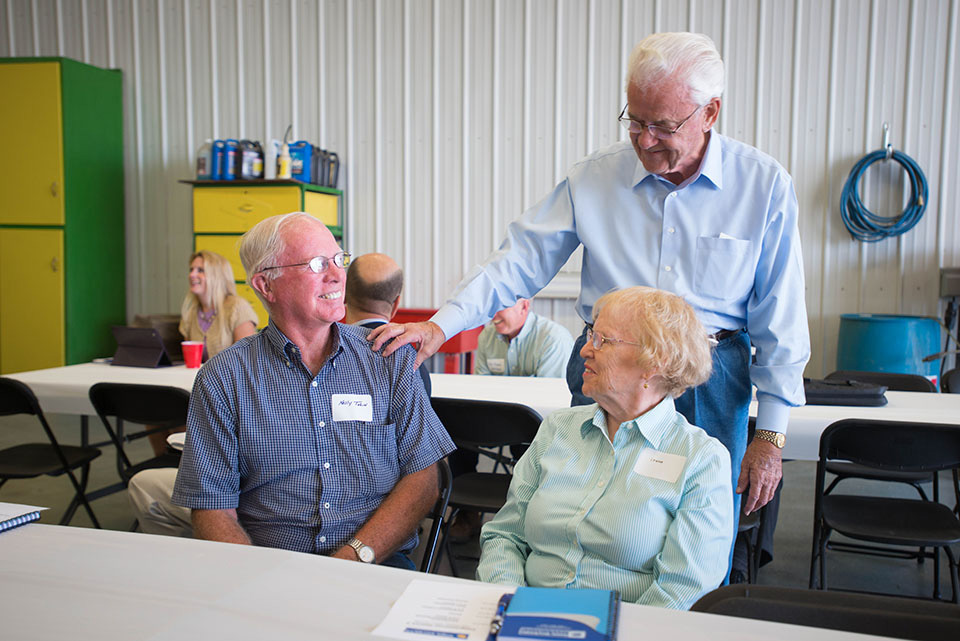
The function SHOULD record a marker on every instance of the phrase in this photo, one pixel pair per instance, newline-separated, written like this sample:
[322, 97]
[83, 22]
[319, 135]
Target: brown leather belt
[725, 334]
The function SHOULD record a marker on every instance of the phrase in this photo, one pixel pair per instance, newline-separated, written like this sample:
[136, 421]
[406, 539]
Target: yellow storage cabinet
[62, 281]
[224, 210]
[31, 286]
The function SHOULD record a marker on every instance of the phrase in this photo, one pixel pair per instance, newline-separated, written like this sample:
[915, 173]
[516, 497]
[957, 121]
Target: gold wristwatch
[776, 438]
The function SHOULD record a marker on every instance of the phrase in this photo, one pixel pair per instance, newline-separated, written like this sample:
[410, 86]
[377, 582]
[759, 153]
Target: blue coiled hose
[866, 226]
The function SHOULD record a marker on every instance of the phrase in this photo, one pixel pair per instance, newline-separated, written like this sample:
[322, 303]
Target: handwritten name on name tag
[659, 465]
[497, 365]
[352, 407]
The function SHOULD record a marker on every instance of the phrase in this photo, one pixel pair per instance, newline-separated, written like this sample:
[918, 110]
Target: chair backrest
[157, 405]
[864, 613]
[950, 383]
[893, 382]
[17, 398]
[437, 515]
[892, 445]
[487, 423]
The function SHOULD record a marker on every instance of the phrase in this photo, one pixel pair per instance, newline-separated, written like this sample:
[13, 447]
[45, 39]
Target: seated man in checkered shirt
[301, 437]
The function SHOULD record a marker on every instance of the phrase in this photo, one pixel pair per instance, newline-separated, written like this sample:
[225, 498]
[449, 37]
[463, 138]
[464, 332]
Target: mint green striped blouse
[584, 513]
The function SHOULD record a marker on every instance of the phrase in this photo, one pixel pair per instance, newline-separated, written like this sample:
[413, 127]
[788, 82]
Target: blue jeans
[399, 560]
[720, 406]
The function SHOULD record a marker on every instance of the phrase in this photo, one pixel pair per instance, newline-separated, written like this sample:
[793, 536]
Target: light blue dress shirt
[579, 515]
[726, 241]
[542, 348]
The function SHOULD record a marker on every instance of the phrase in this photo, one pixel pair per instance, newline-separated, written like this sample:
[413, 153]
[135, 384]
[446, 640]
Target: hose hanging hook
[887, 147]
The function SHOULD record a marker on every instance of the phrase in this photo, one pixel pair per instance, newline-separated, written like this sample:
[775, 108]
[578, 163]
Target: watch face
[365, 554]
[781, 440]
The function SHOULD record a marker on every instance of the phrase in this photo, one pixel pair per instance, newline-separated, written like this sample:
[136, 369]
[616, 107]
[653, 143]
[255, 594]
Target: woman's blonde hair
[219, 279]
[672, 340]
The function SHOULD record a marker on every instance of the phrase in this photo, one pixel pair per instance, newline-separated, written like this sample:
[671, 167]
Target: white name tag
[497, 365]
[660, 465]
[352, 407]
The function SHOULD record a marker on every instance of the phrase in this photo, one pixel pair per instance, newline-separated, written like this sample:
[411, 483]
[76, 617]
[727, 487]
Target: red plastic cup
[192, 353]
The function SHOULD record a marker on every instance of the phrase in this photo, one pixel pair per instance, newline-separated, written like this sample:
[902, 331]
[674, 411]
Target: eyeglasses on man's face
[319, 264]
[660, 132]
[597, 339]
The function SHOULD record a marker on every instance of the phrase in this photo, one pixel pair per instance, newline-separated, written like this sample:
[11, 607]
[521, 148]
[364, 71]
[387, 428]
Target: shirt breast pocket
[371, 449]
[724, 267]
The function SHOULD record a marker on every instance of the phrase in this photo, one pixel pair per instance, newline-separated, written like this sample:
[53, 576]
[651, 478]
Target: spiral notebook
[14, 514]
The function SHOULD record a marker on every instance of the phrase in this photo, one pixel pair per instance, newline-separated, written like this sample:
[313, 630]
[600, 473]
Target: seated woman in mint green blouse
[624, 494]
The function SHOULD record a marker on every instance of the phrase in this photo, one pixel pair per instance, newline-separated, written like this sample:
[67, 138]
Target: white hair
[689, 57]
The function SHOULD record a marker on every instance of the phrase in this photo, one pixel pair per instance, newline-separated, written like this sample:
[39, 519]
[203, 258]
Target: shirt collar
[711, 166]
[289, 350]
[655, 425]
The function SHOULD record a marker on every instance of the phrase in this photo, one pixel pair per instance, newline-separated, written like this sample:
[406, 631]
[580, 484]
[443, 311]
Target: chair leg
[954, 569]
[446, 541]
[814, 547]
[81, 492]
[936, 574]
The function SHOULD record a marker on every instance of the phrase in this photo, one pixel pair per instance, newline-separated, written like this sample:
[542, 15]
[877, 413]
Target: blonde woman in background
[212, 313]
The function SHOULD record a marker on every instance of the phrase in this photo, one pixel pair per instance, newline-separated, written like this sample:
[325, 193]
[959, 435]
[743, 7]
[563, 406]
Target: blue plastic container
[219, 159]
[888, 343]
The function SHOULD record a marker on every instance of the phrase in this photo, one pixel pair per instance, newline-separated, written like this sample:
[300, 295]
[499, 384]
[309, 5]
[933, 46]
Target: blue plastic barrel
[888, 343]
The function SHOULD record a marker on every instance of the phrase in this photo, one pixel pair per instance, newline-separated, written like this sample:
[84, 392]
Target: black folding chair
[157, 406]
[480, 426]
[893, 446]
[896, 382]
[437, 514]
[31, 460]
[950, 383]
[884, 616]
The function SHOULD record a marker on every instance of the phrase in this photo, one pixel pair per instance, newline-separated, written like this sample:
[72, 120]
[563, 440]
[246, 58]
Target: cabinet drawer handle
[53, 264]
[245, 208]
[54, 189]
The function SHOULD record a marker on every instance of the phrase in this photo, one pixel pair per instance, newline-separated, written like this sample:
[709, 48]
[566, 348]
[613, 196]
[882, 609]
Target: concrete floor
[790, 566]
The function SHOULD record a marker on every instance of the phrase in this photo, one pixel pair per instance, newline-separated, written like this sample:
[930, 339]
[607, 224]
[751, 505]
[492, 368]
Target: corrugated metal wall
[452, 116]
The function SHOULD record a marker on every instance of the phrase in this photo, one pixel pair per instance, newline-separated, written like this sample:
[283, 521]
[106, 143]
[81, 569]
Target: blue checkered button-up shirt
[261, 438]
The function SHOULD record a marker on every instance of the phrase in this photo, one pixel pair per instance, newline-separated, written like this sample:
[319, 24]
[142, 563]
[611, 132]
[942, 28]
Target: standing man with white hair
[682, 208]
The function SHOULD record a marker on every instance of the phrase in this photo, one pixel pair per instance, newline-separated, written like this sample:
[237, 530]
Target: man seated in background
[517, 343]
[520, 343]
[301, 437]
[372, 297]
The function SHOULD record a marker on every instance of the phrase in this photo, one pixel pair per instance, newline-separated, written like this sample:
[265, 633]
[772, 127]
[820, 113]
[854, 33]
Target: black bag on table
[821, 392]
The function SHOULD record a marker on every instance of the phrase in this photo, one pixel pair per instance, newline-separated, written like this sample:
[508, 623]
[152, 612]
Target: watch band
[778, 439]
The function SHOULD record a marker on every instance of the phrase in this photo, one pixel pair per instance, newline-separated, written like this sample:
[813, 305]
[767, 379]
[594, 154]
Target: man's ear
[711, 111]
[263, 286]
[394, 308]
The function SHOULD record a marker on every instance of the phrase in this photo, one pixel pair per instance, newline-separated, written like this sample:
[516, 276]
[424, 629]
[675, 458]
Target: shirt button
[670, 230]
[668, 268]
[323, 539]
[673, 194]
[314, 383]
[326, 466]
[326, 506]
[288, 363]
[322, 424]
[601, 484]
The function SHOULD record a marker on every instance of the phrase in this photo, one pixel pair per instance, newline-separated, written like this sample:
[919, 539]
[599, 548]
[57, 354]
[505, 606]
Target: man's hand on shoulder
[428, 334]
[760, 472]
